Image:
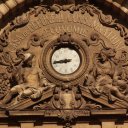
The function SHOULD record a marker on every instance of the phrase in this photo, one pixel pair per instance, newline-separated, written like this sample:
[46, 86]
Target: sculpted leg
[8, 96]
[14, 90]
[117, 93]
[39, 92]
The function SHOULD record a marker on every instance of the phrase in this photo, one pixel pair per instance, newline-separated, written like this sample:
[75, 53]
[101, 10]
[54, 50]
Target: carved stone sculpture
[105, 76]
[33, 82]
[65, 60]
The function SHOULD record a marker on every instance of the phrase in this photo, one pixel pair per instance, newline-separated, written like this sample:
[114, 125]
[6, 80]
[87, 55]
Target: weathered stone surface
[65, 61]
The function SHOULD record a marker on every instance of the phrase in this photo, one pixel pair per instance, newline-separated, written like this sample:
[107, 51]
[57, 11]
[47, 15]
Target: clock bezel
[46, 65]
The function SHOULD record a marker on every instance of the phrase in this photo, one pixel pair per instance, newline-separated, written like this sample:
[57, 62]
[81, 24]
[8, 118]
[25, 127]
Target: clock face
[65, 60]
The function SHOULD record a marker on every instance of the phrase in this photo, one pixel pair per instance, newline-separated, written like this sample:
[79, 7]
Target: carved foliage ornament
[104, 19]
[68, 103]
[24, 19]
[16, 23]
[72, 73]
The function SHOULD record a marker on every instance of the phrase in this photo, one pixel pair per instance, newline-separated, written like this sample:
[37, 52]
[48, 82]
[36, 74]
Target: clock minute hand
[62, 61]
[67, 60]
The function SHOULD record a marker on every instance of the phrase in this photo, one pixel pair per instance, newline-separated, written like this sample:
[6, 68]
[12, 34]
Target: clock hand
[67, 60]
[62, 61]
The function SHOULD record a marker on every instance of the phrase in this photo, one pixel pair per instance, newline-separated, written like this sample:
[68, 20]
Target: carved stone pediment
[64, 60]
[87, 101]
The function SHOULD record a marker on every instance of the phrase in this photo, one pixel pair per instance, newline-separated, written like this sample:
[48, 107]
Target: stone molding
[9, 6]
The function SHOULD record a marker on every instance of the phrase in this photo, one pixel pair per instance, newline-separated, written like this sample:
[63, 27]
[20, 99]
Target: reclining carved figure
[33, 81]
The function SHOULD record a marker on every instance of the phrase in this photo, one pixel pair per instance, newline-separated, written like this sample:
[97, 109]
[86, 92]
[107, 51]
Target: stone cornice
[10, 6]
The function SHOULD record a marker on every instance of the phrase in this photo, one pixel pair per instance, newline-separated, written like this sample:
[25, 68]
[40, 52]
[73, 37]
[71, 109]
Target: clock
[65, 60]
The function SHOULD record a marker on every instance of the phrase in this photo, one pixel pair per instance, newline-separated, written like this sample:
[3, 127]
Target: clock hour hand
[62, 61]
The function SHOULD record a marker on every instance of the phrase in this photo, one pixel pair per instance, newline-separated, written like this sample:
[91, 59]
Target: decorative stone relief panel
[68, 61]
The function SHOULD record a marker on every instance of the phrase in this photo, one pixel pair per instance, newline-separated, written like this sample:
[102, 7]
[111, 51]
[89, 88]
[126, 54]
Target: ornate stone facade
[67, 63]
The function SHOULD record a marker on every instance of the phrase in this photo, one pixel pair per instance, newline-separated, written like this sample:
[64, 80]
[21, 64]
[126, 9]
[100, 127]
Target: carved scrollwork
[35, 40]
[20, 21]
[68, 5]
[57, 8]
[4, 39]
[16, 23]
[24, 19]
[69, 101]
[95, 40]
[106, 20]
[101, 71]
[61, 102]
[38, 10]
